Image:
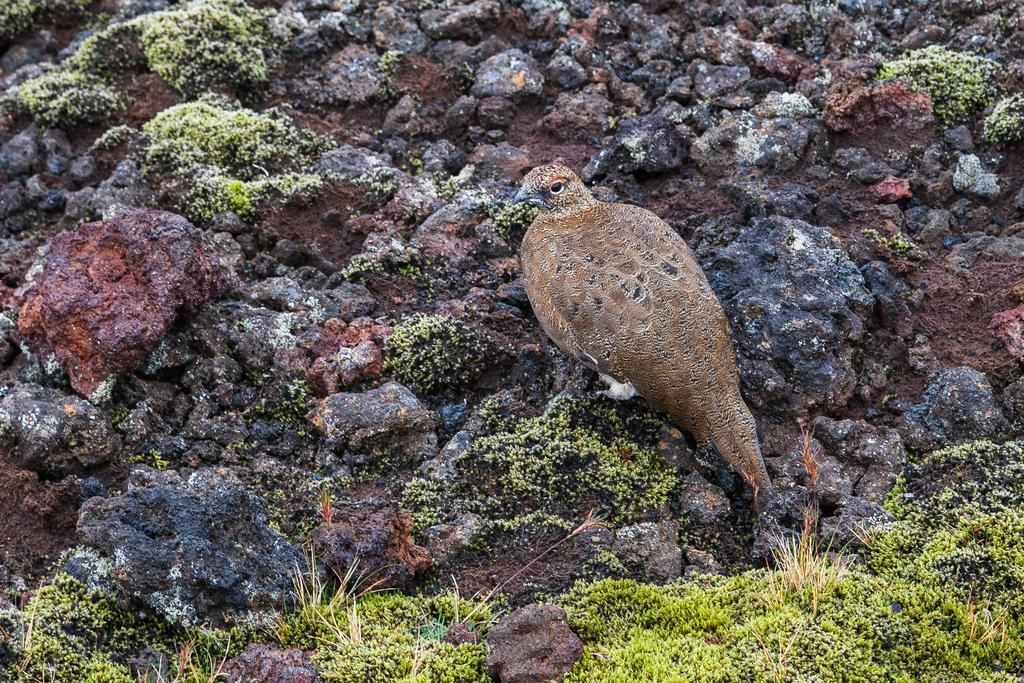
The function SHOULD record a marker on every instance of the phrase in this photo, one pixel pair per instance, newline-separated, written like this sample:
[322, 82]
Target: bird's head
[554, 188]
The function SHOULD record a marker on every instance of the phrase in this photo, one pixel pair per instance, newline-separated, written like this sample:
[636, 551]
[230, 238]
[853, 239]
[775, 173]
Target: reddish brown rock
[856, 101]
[782, 63]
[345, 353]
[374, 535]
[110, 291]
[892, 189]
[1008, 327]
[531, 645]
[269, 664]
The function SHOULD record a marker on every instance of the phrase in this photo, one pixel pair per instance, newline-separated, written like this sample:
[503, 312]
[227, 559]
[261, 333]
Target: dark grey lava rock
[348, 162]
[461, 21]
[193, 549]
[650, 144]
[772, 145]
[796, 302]
[19, 155]
[349, 77]
[650, 550]
[508, 74]
[269, 664]
[375, 538]
[957, 406]
[870, 459]
[532, 645]
[53, 433]
[386, 420]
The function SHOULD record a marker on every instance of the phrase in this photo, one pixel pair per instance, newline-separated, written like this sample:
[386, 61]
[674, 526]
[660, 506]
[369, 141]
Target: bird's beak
[533, 198]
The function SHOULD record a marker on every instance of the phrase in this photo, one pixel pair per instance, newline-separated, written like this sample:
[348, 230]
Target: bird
[616, 288]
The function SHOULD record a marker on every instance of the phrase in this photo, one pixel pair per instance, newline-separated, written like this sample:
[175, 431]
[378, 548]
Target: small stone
[892, 189]
[650, 549]
[508, 74]
[533, 644]
[972, 178]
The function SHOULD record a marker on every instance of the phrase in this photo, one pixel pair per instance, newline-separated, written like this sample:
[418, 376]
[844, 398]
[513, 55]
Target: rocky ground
[274, 407]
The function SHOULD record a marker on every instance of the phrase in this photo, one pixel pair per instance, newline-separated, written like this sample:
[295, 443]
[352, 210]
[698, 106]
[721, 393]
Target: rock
[773, 145]
[868, 105]
[650, 144]
[579, 114]
[193, 549]
[389, 419]
[758, 201]
[870, 459]
[12, 199]
[533, 644]
[19, 156]
[126, 187]
[447, 541]
[111, 290]
[459, 634]
[797, 303]
[703, 503]
[651, 550]
[348, 162]
[1008, 327]
[350, 77]
[375, 537]
[269, 664]
[345, 353]
[860, 165]
[461, 21]
[990, 248]
[37, 522]
[711, 81]
[49, 432]
[972, 178]
[392, 31]
[956, 406]
[512, 73]
[891, 189]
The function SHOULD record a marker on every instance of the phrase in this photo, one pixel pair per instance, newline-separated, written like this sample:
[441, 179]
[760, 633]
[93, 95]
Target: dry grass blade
[803, 567]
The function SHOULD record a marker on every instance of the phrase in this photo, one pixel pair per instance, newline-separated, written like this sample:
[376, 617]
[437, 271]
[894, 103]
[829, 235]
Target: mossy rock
[547, 471]
[435, 352]
[18, 16]
[1005, 125]
[960, 84]
[210, 43]
[63, 99]
[230, 158]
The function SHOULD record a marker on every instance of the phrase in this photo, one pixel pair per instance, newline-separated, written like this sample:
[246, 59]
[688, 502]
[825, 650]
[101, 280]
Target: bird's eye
[556, 187]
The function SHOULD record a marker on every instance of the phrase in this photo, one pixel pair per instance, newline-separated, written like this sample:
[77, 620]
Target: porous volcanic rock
[192, 548]
[531, 645]
[375, 537]
[269, 664]
[109, 291]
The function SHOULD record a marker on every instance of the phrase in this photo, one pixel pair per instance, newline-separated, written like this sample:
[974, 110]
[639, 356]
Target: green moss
[435, 352]
[68, 98]
[717, 628]
[391, 637]
[110, 50]
[231, 158]
[77, 635]
[897, 242]
[1005, 125]
[209, 43]
[959, 84]
[18, 16]
[546, 472]
[380, 182]
[509, 217]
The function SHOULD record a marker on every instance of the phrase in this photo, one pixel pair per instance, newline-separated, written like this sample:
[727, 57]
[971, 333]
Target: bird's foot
[618, 391]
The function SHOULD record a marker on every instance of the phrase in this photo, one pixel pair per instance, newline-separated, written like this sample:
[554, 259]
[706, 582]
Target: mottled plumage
[615, 287]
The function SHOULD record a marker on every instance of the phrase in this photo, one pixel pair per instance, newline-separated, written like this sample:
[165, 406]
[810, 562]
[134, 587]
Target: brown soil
[37, 521]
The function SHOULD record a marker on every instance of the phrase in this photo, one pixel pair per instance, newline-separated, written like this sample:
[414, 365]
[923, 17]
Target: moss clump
[1005, 125]
[380, 182]
[391, 637]
[435, 352]
[738, 628]
[958, 83]
[17, 16]
[78, 635]
[546, 472]
[69, 98]
[960, 525]
[897, 242]
[209, 43]
[230, 158]
[509, 217]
